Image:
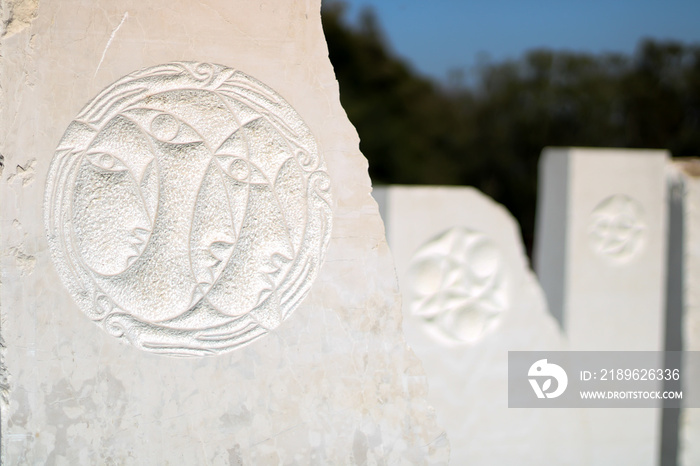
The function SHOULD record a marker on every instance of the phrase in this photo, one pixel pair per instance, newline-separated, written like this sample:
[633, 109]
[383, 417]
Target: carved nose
[137, 241]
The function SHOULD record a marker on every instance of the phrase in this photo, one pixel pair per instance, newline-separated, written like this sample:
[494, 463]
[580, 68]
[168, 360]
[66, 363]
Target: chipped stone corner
[16, 15]
[690, 166]
[24, 175]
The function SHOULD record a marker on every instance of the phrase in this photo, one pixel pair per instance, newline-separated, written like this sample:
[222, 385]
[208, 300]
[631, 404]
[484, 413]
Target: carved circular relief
[617, 228]
[188, 209]
[456, 284]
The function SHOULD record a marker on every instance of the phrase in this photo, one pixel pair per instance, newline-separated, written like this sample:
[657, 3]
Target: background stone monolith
[600, 255]
[685, 182]
[469, 298]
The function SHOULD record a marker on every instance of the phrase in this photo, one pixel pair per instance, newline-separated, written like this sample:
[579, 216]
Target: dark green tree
[490, 135]
[408, 128]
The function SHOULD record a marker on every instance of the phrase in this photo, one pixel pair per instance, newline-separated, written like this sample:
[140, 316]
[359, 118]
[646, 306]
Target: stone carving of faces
[110, 220]
[188, 209]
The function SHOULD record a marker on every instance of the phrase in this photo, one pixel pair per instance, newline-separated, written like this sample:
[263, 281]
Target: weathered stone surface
[469, 298]
[307, 363]
[600, 254]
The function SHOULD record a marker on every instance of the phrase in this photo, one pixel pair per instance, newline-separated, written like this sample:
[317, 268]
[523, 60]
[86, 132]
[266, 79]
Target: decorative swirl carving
[321, 184]
[187, 209]
[457, 285]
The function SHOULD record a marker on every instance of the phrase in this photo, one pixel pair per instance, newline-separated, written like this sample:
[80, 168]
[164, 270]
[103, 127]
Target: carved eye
[106, 162]
[165, 127]
[239, 169]
[235, 167]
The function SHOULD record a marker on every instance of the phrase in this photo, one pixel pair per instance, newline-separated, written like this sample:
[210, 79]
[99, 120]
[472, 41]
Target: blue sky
[438, 35]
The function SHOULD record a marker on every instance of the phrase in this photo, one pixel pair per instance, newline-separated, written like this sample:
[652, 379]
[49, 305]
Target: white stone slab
[600, 254]
[688, 173]
[222, 216]
[469, 298]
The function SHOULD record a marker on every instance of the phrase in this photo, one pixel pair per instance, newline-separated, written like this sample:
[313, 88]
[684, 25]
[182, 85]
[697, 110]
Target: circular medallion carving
[457, 285]
[617, 229]
[188, 209]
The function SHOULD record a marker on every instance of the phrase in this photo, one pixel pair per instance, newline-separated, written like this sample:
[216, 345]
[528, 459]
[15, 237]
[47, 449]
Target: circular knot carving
[457, 285]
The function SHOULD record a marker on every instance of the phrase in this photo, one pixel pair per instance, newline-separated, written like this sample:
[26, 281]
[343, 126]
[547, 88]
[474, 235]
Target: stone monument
[469, 298]
[193, 269]
[600, 254]
[685, 180]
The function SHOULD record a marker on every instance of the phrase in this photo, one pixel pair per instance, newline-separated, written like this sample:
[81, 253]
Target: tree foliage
[490, 135]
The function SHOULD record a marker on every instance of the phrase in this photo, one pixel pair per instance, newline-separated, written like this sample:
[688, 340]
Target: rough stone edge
[442, 441]
[17, 15]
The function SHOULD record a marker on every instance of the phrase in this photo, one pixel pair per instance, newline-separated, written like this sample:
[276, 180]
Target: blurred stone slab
[469, 298]
[206, 199]
[599, 250]
[600, 256]
[686, 176]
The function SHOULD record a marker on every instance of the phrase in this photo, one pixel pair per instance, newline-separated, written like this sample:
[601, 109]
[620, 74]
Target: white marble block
[600, 255]
[687, 177]
[193, 269]
[469, 298]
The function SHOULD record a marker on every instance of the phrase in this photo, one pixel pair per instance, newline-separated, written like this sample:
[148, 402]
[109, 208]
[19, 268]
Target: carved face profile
[110, 221]
[188, 209]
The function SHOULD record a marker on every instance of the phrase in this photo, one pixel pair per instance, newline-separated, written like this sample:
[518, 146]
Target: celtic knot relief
[616, 229]
[188, 209]
[457, 285]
